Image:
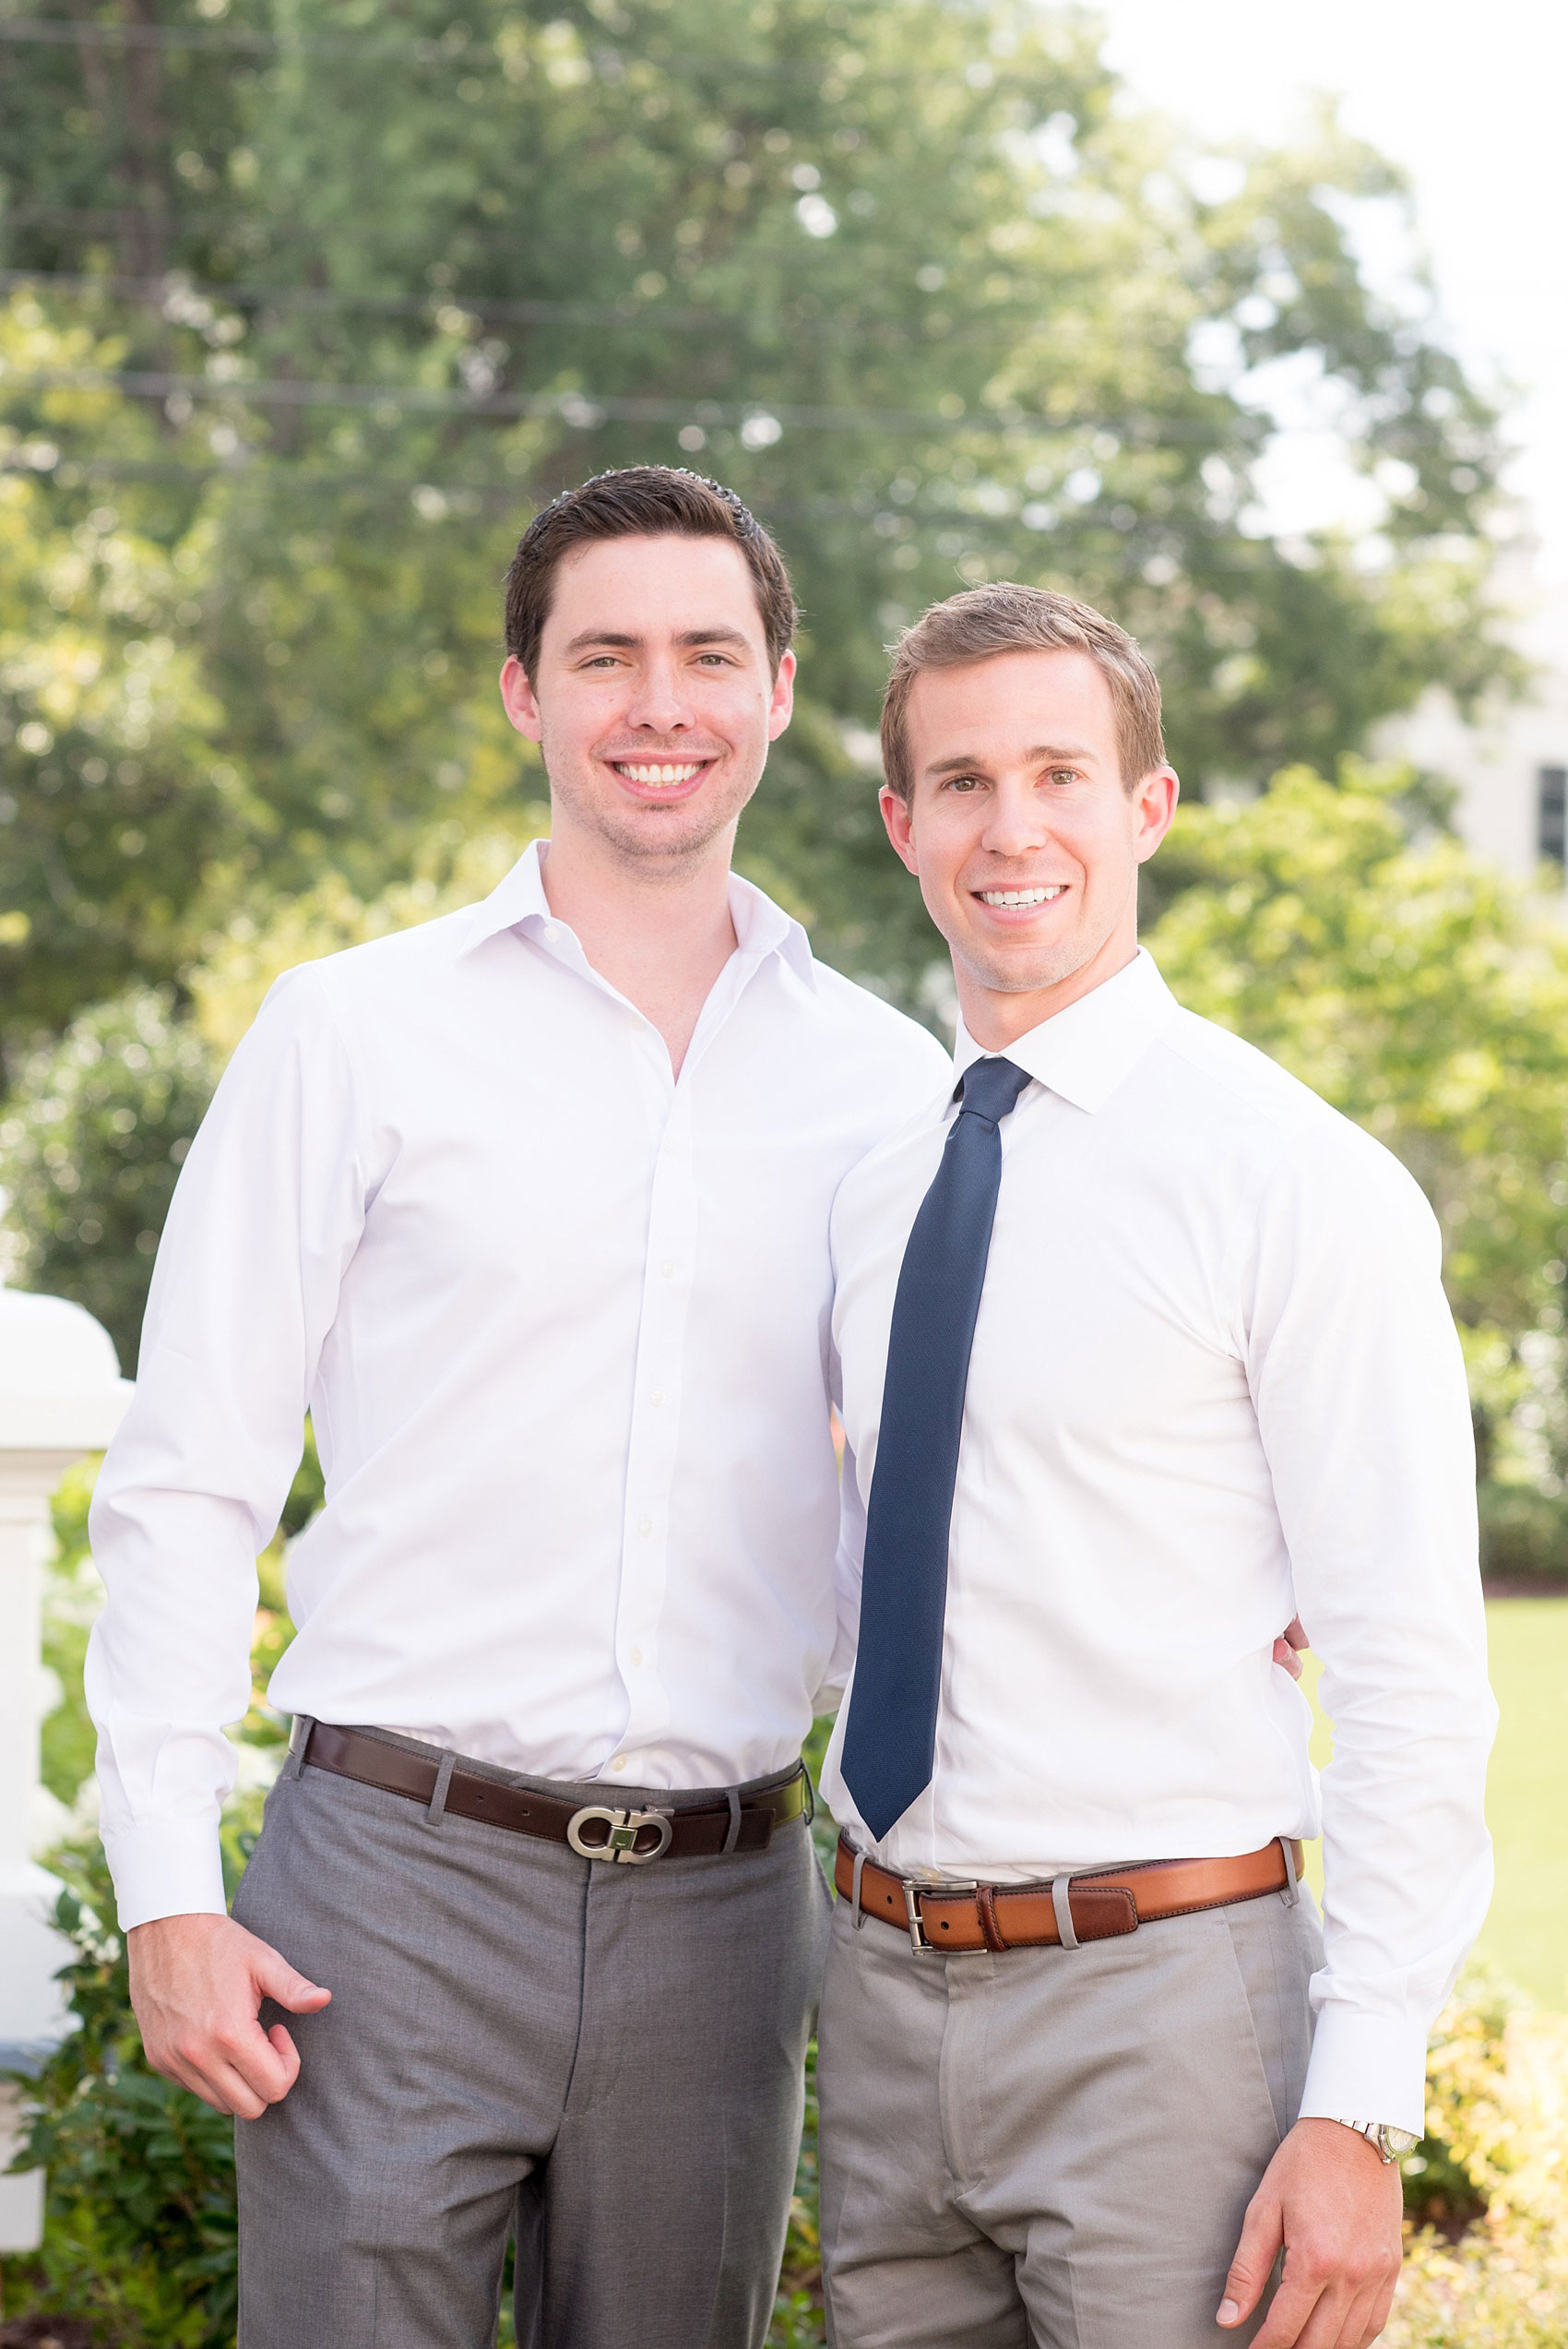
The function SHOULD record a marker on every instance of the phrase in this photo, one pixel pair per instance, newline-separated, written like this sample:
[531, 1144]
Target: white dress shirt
[562, 1324]
[1214, 1381]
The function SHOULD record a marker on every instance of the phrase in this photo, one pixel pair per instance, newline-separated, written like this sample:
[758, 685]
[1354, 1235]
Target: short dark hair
[1006, 617]
[641, 501]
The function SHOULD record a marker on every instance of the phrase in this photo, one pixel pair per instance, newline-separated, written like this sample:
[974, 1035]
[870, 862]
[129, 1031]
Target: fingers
[1285, 1656]
[1320, 2306]
[1296, 1633]
[288, 2053]
[276, 1979]
[235, 2066]
[1254, 2263]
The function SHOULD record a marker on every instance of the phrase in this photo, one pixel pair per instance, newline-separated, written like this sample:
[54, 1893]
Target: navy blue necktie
[890, 1736]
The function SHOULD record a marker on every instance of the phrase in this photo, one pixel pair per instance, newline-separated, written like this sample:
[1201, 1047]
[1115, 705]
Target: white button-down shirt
[1213, 1380]
[562, 1324]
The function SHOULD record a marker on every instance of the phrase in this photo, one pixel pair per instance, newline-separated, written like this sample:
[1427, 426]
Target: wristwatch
[1391, 2143]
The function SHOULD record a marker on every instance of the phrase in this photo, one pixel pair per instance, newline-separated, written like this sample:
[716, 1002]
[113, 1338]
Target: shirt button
[644, 1525]
[618, 1763]
[551, 930]
[657, 1397]
[636, 1655]
[667, 1268]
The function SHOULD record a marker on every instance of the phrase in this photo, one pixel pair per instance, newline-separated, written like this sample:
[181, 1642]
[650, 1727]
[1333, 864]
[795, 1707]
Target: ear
[518, 702]
[898, 816]
[1154, 805]
[782, 702]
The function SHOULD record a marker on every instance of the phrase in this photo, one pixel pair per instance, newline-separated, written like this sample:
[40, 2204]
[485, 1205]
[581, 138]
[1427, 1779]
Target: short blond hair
[1006, 617]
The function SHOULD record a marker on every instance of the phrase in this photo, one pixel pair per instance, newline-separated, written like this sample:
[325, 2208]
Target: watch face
[1400, 2140]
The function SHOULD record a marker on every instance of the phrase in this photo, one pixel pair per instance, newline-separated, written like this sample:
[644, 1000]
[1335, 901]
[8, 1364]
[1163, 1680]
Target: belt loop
[859, 1914]
[733, 1834]
[437, 1809]
[1063, 1905]
[1291, 1893]
[299, 1744]
[810, 1795]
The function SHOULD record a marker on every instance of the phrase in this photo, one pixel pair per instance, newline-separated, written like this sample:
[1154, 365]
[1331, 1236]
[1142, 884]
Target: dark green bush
[1523, 1535]
[139, 2230]
[90, 1145]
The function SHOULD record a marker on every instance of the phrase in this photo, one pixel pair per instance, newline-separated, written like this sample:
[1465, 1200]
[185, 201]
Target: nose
[1016, 822]
[659, 702]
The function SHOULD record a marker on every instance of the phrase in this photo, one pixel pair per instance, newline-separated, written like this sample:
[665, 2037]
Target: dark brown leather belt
[1091, 1907]
[597, 1830]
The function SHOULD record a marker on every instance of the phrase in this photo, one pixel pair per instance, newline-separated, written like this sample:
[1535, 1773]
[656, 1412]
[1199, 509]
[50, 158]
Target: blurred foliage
[1497, 2087]
[139, 2233]
[903, 272]
[91, 1140]
[1413, 985]
[111, 804]
[71, 1598]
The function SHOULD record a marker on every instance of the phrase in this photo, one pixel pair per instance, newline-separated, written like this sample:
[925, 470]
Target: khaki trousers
[1053, 2149]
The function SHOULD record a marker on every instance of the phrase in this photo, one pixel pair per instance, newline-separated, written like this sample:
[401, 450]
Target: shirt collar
[1085, 1052]
[519, 902]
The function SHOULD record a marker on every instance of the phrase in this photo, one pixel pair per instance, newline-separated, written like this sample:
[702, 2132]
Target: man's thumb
[1249, 2270]
[276, 1979]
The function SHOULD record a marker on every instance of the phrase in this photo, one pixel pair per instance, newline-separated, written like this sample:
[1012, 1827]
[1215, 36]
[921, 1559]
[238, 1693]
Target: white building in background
[1510, 763]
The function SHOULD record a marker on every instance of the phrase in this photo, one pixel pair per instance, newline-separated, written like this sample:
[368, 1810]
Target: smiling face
[1026, 841]
[652, 699]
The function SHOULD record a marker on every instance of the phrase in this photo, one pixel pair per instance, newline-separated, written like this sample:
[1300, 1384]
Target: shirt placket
[669, 1274]
[655, 1431]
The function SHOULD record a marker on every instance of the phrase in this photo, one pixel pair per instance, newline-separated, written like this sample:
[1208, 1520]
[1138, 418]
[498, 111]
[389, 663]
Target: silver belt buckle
[622, 1829]
[917, 1942]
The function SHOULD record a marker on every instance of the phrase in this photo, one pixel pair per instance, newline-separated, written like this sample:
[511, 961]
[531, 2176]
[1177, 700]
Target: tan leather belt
[1092, 1907]
[597, 1830]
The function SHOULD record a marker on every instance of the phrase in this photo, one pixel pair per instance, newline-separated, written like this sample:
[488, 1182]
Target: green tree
[1414, 988]
[112, 801]
[902, 271]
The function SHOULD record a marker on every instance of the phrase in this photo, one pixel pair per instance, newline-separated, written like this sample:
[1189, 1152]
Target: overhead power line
[162, 291]
[848, 68]
[587, 409]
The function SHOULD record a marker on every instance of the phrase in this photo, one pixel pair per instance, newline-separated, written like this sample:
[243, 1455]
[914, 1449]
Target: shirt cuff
[1367, 2067]
[166, 1867]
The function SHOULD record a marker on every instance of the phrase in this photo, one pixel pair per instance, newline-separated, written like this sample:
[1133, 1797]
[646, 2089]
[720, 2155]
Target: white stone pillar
[61, 1395]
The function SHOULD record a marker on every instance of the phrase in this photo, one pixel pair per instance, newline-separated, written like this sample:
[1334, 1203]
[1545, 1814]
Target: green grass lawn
[1527, 1933]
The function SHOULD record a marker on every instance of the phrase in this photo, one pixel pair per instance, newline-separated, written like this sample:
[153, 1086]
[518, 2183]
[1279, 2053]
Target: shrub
[90, 1145]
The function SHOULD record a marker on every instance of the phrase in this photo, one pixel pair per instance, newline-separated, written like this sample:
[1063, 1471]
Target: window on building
[1551, 821]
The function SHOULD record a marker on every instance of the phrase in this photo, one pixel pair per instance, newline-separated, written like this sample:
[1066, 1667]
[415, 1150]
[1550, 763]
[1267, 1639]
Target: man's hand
[1286, 1648]
[196, 1985]
[1336, 2205]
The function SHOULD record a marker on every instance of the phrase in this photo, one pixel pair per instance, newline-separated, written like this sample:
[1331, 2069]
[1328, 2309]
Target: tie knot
[991, 1089]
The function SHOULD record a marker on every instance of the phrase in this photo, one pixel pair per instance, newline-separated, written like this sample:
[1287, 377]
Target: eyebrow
[962, 763]
[620, 641]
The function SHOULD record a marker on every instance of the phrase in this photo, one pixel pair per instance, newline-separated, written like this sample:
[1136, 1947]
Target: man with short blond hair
[1143, 1347]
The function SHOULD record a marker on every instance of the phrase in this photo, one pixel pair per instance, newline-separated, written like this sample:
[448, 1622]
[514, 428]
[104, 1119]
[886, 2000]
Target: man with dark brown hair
[529, 1207]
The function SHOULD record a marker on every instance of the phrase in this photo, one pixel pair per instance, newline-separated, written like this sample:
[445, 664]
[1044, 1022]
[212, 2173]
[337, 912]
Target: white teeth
[658, 775]
[1022, 897]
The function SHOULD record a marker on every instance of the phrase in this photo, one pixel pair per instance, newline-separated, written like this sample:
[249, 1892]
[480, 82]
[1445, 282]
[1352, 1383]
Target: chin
[1029, 969]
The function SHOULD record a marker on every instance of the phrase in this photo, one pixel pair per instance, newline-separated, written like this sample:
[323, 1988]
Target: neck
[996, 1018]
[660, 935]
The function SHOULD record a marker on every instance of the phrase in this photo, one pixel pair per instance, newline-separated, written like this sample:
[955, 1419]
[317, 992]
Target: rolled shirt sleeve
[1359, 1390]
[266, 1213]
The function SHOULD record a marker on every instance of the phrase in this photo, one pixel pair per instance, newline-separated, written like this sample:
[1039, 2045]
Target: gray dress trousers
[604, 2060]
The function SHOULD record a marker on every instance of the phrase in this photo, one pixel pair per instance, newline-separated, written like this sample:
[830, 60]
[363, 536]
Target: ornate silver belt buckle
[622, 1828]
